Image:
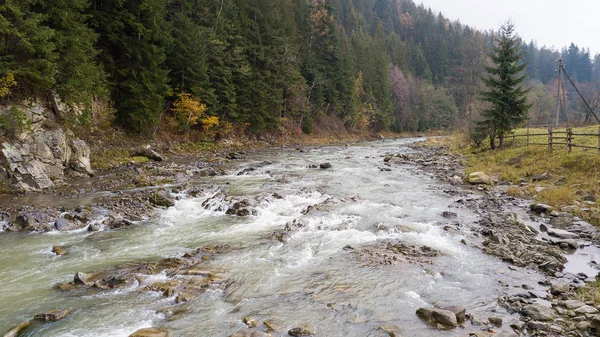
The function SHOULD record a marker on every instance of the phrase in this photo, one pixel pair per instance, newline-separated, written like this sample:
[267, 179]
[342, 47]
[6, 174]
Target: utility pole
[562, 93]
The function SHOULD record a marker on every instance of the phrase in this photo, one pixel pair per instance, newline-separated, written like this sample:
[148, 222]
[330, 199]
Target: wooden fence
[556, 137]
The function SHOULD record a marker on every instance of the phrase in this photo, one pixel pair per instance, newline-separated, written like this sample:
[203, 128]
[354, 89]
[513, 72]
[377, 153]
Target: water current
[309, 279]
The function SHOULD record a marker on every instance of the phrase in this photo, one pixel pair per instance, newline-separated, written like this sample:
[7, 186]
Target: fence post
[550, 139]
[514, 140]
[569, 139]
[599, 140]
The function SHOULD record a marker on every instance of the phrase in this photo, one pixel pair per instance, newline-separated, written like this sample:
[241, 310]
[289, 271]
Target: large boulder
[17, 330]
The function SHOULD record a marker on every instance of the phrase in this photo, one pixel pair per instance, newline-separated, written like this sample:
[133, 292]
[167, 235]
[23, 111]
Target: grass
[571, 176]
[115, 157]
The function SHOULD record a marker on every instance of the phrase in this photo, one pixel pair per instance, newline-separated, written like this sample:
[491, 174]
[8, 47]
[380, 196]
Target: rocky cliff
[41, 154]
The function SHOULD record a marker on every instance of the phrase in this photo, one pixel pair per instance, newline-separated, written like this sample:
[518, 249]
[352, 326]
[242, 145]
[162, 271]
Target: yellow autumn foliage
[6, 83]
[210, 123]
[188, 109]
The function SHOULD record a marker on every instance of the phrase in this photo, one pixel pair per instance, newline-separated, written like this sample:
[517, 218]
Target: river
[312, 278]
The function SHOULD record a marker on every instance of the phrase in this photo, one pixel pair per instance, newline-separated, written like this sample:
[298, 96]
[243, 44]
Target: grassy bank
[557, 177]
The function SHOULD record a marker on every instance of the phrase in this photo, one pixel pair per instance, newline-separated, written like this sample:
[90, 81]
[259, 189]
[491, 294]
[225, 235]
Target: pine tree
[505, 93]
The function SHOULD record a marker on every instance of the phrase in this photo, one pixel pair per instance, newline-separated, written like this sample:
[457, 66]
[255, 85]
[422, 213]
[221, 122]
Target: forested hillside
[265, 64]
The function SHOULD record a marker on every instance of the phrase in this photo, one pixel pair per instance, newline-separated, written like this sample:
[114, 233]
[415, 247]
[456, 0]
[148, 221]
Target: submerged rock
[52, 315]
[151, 332]
[302, 331]
[325, 166]
[17, 330]
[249, 333]
[58, 250]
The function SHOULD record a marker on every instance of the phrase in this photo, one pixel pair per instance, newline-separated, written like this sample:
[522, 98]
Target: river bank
[271, 238]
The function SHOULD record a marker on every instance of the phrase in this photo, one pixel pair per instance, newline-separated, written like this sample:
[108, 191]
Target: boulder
[81, 278]
[52, 315]
[58, 250]
[17, 330]
[161, 199]
[325, 166]
[302, 331]
[480, 178]
[446, 318]
[586, 309]
[151, 332]
[460, 312]
[541, 208]
[539, 313]
[571, 304]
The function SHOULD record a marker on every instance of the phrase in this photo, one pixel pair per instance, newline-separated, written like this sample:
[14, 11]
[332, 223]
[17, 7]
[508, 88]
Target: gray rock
[559, 288]
[81, 278]
[439, 316]
[583, 326]
[539, 313]
[572, 304]
[302, 331]
[586, 309]
[518, 326]
[17, 330]
[249, 333]
[460, 312]
[479, 178]
[151, 332]
[325, 165]
[541, 208]
[497, 321]
[52, 315]
[563, 234]
[149, 153]
[535, 325]
[595, 322]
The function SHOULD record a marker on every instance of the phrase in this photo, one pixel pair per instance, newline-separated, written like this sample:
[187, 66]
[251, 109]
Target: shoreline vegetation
[566, 181]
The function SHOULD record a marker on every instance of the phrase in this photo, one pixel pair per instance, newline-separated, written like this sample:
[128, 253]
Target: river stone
[161, 199]
[583, 326]
[249, 321]
[518, 326]
[302, 331]
[17, 330]
[479, 178]
[572, 304]
[58, 250]
[477, 334]
[325, 165]
[586, 309]
[559, 288]
[391, 330]
[560, 233]
[536, 325]
[595, 322]
[52, 315]
[539, 313]
[151, 332]
[541, 208]
[444, 317]
[81, 278]
[460, 312]
[497, 321]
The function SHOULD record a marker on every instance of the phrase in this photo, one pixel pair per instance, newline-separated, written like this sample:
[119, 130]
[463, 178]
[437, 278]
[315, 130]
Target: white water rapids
[309, 279]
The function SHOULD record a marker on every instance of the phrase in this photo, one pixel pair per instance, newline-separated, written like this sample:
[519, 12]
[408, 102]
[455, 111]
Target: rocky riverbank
[526, 235]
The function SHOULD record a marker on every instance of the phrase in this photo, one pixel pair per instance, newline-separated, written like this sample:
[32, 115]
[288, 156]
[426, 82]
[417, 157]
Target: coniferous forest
[266, 64]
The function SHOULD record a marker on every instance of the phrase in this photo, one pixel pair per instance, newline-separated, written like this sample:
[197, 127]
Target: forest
[266, 64]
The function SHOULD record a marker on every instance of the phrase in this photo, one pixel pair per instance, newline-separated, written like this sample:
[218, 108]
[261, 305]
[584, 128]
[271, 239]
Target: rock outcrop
[41, 154]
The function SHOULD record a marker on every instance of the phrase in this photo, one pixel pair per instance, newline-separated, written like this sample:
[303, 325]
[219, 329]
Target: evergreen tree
[504, 92]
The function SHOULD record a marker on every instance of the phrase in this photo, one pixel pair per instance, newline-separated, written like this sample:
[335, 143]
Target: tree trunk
[501, 141]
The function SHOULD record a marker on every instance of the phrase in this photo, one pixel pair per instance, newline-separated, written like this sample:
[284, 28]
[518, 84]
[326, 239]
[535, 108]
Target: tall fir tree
[504, 91]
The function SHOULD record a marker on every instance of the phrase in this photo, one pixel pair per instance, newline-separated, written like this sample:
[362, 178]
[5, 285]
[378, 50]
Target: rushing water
[310, 279]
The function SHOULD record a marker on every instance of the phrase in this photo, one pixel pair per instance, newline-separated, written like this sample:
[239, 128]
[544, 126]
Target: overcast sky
[551, 23]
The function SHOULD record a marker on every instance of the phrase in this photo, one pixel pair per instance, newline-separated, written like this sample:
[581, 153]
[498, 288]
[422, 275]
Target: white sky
[551, 23]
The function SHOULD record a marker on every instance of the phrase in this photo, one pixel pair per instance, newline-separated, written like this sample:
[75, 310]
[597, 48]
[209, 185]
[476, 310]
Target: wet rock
[563, 234]
[496, 321]
[58, 250]
[81, 278]
[460, 312]
[161, 199]
[479, 178]
[236, 155]
[149, 153]
[391, 330]
[539, 313]
[52, 315]
[325, 165]
[63, 224]
[302, 331]
[18, 330]
[519, 326]
[271, 326]
[151, 332]
[449, 215]
[250, 322]
[477, 334]
[445, 318]
[590, 197]
[541, 208]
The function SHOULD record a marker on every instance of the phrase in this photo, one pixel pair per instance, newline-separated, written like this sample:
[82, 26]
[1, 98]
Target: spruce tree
[504, 90]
